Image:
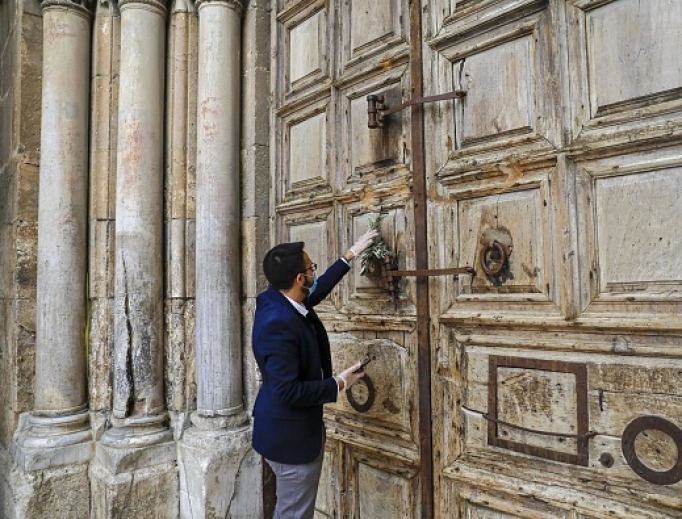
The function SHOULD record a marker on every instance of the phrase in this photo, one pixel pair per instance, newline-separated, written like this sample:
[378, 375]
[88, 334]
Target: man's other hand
[349, 377]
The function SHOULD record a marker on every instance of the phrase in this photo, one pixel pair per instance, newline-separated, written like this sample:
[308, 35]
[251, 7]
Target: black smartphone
[362, 366]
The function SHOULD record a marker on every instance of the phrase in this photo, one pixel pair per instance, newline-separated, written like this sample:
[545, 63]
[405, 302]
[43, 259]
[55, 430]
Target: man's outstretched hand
[363, 242]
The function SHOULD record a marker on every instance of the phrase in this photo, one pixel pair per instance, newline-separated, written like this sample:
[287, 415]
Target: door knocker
[362, 394]
[496, 247]
[493, 258]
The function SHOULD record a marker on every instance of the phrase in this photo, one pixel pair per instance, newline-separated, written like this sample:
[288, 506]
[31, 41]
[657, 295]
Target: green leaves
[376, 254]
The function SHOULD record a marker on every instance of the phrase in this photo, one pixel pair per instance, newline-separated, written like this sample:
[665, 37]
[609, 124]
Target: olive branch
[378, 251]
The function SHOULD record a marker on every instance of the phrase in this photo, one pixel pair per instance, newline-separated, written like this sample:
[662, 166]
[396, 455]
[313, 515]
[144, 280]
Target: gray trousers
[297, 488]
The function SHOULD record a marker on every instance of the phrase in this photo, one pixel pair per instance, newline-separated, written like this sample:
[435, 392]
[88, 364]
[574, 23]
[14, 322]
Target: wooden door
[556, 381]
[332, 176]
[555, 377]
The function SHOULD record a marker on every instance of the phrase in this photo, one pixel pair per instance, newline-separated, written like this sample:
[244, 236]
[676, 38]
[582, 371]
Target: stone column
[217, 465]
[218, 349]
[137, 449]
[58, 432]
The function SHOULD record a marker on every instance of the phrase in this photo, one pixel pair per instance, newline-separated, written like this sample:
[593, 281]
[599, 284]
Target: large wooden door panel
[473, 503]
[332, 176]
[629, 243]
[304, 160]
[382, 403]
[510, 397]
[625, 73]
[503, 64]
[370, 152]
[378, 488]
[527, 204]
[569, 141]
[371, 32]
[302, 34]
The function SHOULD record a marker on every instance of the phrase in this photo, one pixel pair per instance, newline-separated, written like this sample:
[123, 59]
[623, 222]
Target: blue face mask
[312, 287]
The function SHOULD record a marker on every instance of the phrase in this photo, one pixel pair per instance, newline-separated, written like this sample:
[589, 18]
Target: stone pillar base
[62, 492]
[220, 474]
[147, 493]
[118, 460]
[136, 443]
[132, 477]
[44, 442]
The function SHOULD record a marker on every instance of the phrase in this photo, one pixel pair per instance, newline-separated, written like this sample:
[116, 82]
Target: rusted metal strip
[457, 94]
[587, 435]
[432, 272]
[377, 111]
[422, 260]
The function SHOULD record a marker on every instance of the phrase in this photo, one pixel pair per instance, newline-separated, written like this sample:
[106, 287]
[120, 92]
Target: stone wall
[67, 490]
[20, 90]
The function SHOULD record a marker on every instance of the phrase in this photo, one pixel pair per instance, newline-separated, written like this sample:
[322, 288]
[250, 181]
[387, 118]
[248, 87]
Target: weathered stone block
[101, 188]
[45, 494]
[8, 34]
[219, 475]
[150, 493]
[121, 460]
[256, 185]
[252, 377]
[6, 260]
[67, 455]
[256, 86]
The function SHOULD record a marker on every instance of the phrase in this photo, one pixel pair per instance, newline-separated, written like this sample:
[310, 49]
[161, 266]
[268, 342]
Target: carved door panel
[332, 176]
[556, 374]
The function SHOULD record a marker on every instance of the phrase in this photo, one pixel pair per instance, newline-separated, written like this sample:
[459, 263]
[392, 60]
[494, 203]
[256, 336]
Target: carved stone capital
[83, 6]
[158, 5]
[236, 5]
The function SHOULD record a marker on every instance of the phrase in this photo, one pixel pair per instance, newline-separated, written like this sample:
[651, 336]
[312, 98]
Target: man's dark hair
[283, 263]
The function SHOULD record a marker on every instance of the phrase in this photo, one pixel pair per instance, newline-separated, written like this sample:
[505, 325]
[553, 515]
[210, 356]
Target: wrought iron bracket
[390, 276]
[377, 111]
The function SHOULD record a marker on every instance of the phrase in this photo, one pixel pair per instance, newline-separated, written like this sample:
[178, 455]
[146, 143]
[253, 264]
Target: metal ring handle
[371, 395]
[652, 423]
[497, 246]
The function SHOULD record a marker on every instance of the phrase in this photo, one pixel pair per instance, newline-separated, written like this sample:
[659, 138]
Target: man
[292, 350]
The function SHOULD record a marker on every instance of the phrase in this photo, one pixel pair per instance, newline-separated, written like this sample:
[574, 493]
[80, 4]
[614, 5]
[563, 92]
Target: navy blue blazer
[294, 358]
